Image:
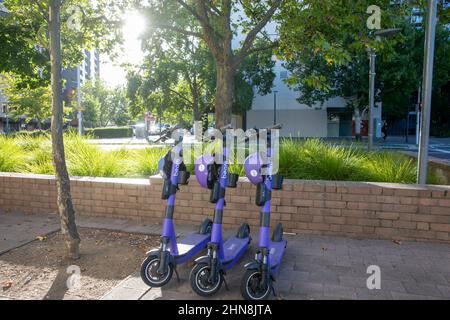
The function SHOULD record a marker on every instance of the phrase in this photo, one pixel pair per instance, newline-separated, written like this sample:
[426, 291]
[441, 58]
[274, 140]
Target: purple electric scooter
[208, 273]
[257, 281]
[159, 265]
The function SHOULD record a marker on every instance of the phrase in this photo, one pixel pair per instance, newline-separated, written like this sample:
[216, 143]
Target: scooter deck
[276, 252]
[233, 249]
[191, 244]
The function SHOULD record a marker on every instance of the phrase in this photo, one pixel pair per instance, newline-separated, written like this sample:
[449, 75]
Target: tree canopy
[178, 76]
[325, 46]
[33, 103]
[84, 25]
[216, 23]
[103, 106]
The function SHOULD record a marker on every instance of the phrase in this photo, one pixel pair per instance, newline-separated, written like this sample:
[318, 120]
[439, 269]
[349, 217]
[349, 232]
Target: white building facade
[331, 119]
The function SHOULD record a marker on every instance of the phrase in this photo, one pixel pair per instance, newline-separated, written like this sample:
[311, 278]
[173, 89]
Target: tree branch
[251, 36]
[180, 30]
[263, 48]
[208, 31]
[191, 10]
[213, 8]
[246, 7]
[181, 96]
[43, 11]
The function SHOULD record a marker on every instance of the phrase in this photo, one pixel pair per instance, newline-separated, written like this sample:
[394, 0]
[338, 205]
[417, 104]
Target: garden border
[354, 209]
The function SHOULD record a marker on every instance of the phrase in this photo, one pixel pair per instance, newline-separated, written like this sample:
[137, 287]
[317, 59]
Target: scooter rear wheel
[250, 286]
[205, 226]
[200, 283]
[244, 231]
[277, 235]
[150, 275]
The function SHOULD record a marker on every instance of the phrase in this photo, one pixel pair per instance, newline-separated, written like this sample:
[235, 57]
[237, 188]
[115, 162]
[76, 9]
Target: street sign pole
[418, 111]
[275, 107]
[372, 57]
[426, 92]
[80, 114]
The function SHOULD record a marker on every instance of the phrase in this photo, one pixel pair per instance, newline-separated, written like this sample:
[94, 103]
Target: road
[439, 147]
[133, 143]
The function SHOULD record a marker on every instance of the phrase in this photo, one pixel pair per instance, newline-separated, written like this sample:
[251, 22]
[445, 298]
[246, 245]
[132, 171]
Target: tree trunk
[64, 198]
[195, 110]
[224, 92]
[195, 102]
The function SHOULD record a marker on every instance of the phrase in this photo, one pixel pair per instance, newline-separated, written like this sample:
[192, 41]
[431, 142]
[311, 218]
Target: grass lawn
[311, 159]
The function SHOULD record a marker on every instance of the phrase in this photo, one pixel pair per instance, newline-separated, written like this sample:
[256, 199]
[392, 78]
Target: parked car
[154, 129]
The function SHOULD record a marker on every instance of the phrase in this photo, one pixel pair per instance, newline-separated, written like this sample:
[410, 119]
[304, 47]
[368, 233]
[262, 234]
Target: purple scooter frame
[208, 273]
[159, 265]
[257, 282]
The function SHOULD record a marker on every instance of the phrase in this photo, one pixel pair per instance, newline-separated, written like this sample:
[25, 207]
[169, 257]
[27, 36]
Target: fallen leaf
[6, 285]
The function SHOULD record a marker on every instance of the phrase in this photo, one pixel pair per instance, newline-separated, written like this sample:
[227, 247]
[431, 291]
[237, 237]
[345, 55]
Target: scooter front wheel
[201, 282]
[150, 274]
[251, 288]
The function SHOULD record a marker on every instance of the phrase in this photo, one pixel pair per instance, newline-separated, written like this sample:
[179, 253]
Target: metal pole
[7, 119]
[426, 92]
[372, 57]
[407, 127]
[160, 119]
[80, 114]
[418, 111]
[275, 107]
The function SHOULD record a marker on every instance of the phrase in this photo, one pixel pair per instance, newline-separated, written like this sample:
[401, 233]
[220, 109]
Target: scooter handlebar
[277, 126]
[224, 128]
[167, 132]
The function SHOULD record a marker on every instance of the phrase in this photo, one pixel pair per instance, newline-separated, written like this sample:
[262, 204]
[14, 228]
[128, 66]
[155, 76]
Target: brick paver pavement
[323, 267]
[314, 267]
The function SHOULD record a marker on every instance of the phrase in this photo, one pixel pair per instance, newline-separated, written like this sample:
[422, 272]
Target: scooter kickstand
[178, 277]
[273, 291]
[226, 284]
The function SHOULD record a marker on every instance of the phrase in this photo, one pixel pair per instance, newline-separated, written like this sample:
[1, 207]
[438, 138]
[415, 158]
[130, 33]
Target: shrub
[31, 134]
[84, 159]
[314, 159]
[389, 167]
[41, 162]
[145, 162]
[12, 157]
[308, 159]
[109, 133]
[29, 143]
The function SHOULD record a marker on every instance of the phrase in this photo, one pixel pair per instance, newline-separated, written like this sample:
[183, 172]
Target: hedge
[31, 134]
[110, 132]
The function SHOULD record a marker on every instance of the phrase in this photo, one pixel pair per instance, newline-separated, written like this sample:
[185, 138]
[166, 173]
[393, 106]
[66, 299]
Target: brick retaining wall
[354, 209]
